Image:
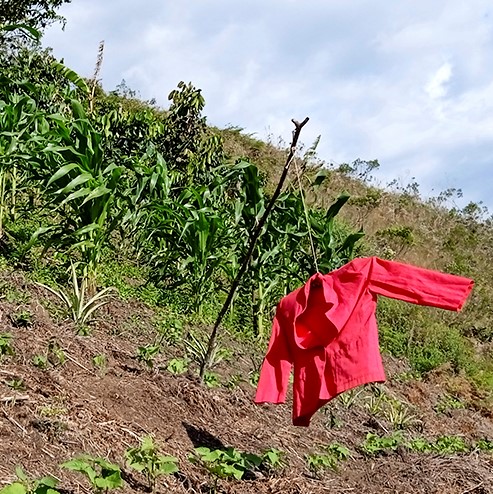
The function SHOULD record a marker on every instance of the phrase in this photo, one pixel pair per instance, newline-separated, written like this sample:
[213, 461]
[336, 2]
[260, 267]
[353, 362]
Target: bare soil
[76, 408]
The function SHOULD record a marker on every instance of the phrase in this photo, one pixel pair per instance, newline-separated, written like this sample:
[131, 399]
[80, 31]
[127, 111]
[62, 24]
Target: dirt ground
[75, 408]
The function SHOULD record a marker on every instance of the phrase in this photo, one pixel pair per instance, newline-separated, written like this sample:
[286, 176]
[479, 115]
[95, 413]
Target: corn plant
[399, 415]
[191, 241]
[18, 114]
[349, 398]
[78, 302]
[147, 460]
[81, 189]
[196, 348]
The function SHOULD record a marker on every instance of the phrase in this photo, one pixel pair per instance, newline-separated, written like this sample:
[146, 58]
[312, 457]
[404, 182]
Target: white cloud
[437, 86]
[408, 83]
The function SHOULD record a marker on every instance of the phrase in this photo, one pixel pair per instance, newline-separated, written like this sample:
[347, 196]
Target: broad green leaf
[79, 180]
[72, 76]
[336, 207]
[99, 191]
[48, 481]
[15, 488]
[86, 229]
[62, 172]
[321, 175]
[78, 109]
[30, 31]
[168, 466]
[20, 473]
[76, 195]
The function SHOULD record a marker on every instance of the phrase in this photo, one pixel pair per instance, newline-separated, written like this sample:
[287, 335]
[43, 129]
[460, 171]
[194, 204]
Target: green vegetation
[6, 347]
[25, 485]
[335, 453]
[146, 459]
[123, 189]
[443, 445]
[101, 474]
[231, 463]
[105, 198]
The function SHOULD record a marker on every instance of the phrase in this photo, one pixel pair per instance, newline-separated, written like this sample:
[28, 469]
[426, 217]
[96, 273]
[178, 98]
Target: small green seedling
[56, 355]
[6, 348]
[330, 460]
[147, 460]
[374, 445]
[450, 444]
[448, 403]
[24, 485]
[15, 384]
[40, 361]
[253, 377]
[420, 445]
[147, 354]
[100, 361]
[485, 445]
[211, 379]
[102, 475]
[234, 381]
[272, 459]
[22, 319]
[226, 463]
[177, 366]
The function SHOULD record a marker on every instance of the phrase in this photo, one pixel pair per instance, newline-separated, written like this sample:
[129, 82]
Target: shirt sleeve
[418, 285]
[276, 368]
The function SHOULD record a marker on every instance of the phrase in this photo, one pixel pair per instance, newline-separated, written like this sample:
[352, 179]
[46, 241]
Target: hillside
[123, 227]
[73, 406]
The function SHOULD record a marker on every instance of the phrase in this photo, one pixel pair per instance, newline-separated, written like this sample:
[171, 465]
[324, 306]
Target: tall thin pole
[253, 240]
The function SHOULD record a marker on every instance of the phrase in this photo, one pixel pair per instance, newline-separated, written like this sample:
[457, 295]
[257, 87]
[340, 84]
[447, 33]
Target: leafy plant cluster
[330, 459]
[444, 445]
[101, 176]
[146, 459]
[231, 463]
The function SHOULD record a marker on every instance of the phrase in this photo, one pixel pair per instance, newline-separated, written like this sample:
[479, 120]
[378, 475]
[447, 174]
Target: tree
[37, 14]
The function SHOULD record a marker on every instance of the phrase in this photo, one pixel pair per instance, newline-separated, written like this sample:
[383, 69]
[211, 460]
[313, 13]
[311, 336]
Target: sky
[409, 83]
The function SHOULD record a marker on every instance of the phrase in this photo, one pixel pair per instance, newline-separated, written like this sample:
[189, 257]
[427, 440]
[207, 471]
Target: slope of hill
[122, 228]
[408, 435]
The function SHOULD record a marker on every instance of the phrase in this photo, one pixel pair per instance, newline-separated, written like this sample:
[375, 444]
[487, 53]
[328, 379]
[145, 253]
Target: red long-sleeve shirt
[326, 331]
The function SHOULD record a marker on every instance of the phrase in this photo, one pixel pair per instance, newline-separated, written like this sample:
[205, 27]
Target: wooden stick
[253, 240]
[13, 421]
[7, 399]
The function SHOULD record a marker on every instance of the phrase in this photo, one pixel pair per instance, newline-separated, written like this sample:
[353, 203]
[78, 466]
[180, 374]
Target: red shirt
[327, 331]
